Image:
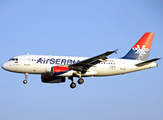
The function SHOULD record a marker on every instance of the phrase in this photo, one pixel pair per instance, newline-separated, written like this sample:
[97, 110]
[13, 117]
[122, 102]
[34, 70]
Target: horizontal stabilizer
[147, 62]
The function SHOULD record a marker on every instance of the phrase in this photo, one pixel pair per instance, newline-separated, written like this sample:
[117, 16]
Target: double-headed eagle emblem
[140, 51]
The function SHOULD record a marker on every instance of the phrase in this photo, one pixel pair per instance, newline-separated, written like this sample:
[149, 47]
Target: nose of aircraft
[4, 66]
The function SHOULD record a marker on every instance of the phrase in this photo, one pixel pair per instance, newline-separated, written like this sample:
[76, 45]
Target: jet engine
[51, 79]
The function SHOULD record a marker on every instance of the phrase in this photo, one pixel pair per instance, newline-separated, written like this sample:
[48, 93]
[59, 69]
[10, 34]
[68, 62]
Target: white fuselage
[41, 64]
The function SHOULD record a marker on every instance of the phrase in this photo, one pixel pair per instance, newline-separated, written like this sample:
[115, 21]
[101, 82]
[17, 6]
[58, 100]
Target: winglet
[116, 51]
[110, 52]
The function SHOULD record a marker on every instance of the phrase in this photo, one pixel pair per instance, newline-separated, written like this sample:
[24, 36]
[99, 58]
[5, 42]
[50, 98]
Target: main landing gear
[73, 85]
[26, 76]
[80, 81]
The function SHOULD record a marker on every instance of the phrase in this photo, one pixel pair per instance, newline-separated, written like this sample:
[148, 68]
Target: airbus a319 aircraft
[54, 69]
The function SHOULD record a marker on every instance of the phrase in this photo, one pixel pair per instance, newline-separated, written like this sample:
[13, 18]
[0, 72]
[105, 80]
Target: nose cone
[5, 66]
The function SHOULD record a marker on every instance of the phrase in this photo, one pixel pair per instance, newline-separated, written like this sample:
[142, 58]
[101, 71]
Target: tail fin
[140, 50]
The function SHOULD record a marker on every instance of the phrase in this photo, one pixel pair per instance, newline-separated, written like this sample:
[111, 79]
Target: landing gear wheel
[73, 85]
[25, 81]
[80, 81]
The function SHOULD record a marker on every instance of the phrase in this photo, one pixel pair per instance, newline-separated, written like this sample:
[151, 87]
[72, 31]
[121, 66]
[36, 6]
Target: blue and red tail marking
[140, 50]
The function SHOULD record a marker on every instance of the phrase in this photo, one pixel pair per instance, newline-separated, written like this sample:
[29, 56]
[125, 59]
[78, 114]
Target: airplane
[55, 69]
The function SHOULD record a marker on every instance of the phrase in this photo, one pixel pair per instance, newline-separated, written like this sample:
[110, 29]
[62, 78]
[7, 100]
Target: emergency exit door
[122, 65]
[27, 60]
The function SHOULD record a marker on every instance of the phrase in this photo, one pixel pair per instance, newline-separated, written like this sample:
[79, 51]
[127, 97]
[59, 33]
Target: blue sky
[80, 28]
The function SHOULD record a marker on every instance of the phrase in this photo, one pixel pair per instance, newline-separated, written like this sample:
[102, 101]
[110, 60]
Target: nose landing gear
[26, 76]
[25, 81]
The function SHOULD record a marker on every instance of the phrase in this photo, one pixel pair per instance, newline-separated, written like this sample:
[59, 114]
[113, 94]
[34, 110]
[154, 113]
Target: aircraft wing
[84, 65]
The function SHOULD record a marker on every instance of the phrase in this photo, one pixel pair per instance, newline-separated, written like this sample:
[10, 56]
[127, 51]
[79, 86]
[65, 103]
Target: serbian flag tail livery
[140, 50]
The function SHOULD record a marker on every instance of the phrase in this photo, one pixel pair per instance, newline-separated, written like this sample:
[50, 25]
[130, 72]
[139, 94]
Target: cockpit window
[13, 59]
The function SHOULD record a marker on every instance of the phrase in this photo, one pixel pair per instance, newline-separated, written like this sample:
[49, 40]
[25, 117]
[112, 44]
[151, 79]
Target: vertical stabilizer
[140, 50]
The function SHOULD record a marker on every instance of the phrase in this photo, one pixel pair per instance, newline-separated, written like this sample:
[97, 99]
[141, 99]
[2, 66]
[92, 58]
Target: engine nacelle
[61, 71]
[52, 79]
